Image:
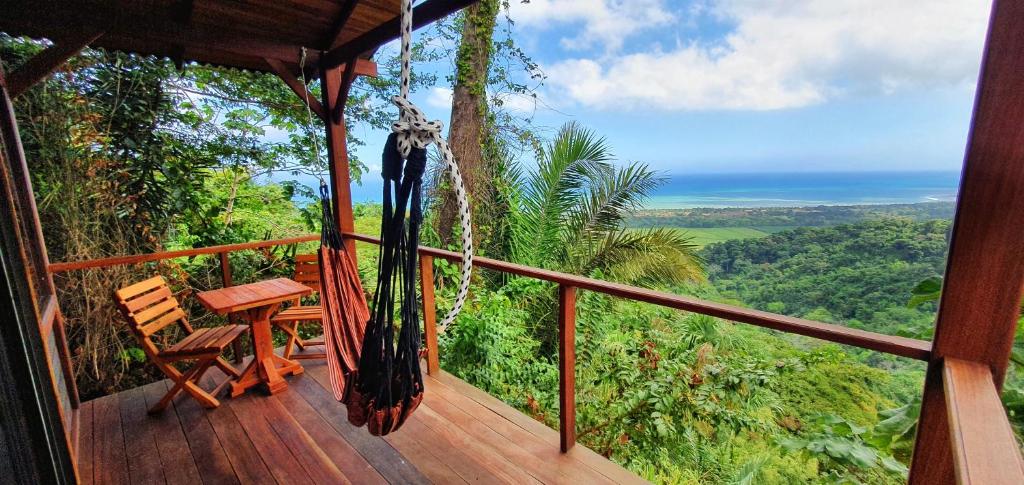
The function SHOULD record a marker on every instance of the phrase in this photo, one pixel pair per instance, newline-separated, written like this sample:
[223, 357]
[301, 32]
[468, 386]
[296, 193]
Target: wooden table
[256, 302]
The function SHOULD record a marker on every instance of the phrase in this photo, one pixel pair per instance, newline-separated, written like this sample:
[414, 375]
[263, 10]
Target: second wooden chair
[307, 272]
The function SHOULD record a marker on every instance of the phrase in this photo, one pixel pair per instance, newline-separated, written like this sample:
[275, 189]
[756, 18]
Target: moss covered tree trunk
[469, 129]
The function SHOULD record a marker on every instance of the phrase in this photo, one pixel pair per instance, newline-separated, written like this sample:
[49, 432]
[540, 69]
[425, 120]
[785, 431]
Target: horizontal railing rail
[181, 253]
[983, 445]
[567, 286]
[890, 344]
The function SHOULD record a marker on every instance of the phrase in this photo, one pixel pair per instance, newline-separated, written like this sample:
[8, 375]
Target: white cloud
[607, 22]
[789, 54]
[440, 98]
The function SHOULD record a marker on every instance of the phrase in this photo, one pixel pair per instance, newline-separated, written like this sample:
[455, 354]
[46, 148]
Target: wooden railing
[567, 286]
[182, 253]
[984, 448]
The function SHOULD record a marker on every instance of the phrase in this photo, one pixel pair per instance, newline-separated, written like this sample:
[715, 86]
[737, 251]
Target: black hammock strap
[389, 384]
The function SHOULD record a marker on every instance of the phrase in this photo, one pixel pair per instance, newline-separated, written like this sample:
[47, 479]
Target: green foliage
[840, 442]
[925, 291]
[855, 274]
[775, 219]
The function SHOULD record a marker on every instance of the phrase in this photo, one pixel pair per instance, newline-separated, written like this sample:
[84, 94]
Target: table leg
[266, 367]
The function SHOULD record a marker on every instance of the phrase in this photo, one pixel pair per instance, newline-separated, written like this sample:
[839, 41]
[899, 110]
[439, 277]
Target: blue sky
[709, 86]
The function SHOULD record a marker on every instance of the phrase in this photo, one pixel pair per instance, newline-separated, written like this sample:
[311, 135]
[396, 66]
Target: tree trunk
[229, 208]
[468, 129]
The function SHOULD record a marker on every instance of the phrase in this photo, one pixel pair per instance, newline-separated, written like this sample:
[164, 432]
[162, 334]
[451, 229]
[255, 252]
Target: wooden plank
[423, 14]
[334, 37]
[175, 454]
[314, 387]
[984, 448]
[429, 314]
[545, 471]
[243, 297]
[984, 275]
[46, 62]
[348, 460]
[153, 26]
[581, 453]
[449, 436]
[316, 463]
[902, 346]
[275, 453]
[207, 449]
[565, 464]
[84, 449]
[245, 460]
[110, 465]
[567, 366]
[140, 438]
[144, 258]
[415, 442]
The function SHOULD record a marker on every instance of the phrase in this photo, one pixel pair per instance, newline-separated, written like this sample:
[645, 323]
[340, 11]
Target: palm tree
[572, 214]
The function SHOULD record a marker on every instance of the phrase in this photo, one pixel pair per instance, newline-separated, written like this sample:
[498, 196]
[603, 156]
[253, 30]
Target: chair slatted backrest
[307, 270]
[149, 306]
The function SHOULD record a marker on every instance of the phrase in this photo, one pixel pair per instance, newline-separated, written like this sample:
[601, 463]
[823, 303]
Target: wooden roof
[232, 33]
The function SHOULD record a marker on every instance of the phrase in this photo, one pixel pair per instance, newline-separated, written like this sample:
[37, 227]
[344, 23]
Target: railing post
[429, 313]
[225, 278]
[567, 366]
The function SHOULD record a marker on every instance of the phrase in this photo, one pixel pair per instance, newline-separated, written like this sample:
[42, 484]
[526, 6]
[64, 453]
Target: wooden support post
[985, 271]
[65, 359]
[39, 438]
[567, 366]
[225, 279]
[429, 314]
[337, 156]
[44, 63]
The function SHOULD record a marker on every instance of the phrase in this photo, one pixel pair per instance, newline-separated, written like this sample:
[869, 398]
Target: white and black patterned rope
[414, 130]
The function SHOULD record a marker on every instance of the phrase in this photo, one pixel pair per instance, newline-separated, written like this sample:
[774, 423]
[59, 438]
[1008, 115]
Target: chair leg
[228, 369]
[236, 348]
[292, 329]
[187, 382]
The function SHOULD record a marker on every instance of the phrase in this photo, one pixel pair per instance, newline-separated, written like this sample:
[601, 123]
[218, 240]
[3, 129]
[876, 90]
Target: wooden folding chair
[307, 272]
[149, 307]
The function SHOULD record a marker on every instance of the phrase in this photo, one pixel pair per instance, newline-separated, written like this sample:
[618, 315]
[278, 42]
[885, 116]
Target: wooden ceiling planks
[230, 33]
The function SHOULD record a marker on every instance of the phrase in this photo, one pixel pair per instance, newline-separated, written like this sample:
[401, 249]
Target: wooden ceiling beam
[425, 14]
[298, 87]
[348, 76]
[46, 62]
[339, 24]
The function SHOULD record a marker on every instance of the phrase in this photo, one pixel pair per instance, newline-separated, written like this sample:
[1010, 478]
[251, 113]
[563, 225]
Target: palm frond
[647, 256]
[610, 200]
[570, 162]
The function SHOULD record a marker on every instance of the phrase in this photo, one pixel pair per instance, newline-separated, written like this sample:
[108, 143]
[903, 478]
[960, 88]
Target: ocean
[685, 191]
[803, 189]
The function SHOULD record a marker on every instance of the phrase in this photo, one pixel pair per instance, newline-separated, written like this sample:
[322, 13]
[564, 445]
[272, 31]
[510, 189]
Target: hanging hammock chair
[377, 378]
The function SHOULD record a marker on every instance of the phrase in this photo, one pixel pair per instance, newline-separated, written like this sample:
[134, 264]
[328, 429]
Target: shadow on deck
[458, 435]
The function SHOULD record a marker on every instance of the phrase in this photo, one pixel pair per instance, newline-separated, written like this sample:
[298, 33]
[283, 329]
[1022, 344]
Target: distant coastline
[808, 189]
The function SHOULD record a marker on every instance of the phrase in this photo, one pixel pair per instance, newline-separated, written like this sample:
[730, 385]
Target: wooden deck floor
[458, 435]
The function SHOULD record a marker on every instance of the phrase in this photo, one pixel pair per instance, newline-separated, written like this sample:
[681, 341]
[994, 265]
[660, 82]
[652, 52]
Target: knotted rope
[414, 130]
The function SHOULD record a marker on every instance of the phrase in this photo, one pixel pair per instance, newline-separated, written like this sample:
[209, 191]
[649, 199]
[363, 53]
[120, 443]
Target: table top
[243, 297]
